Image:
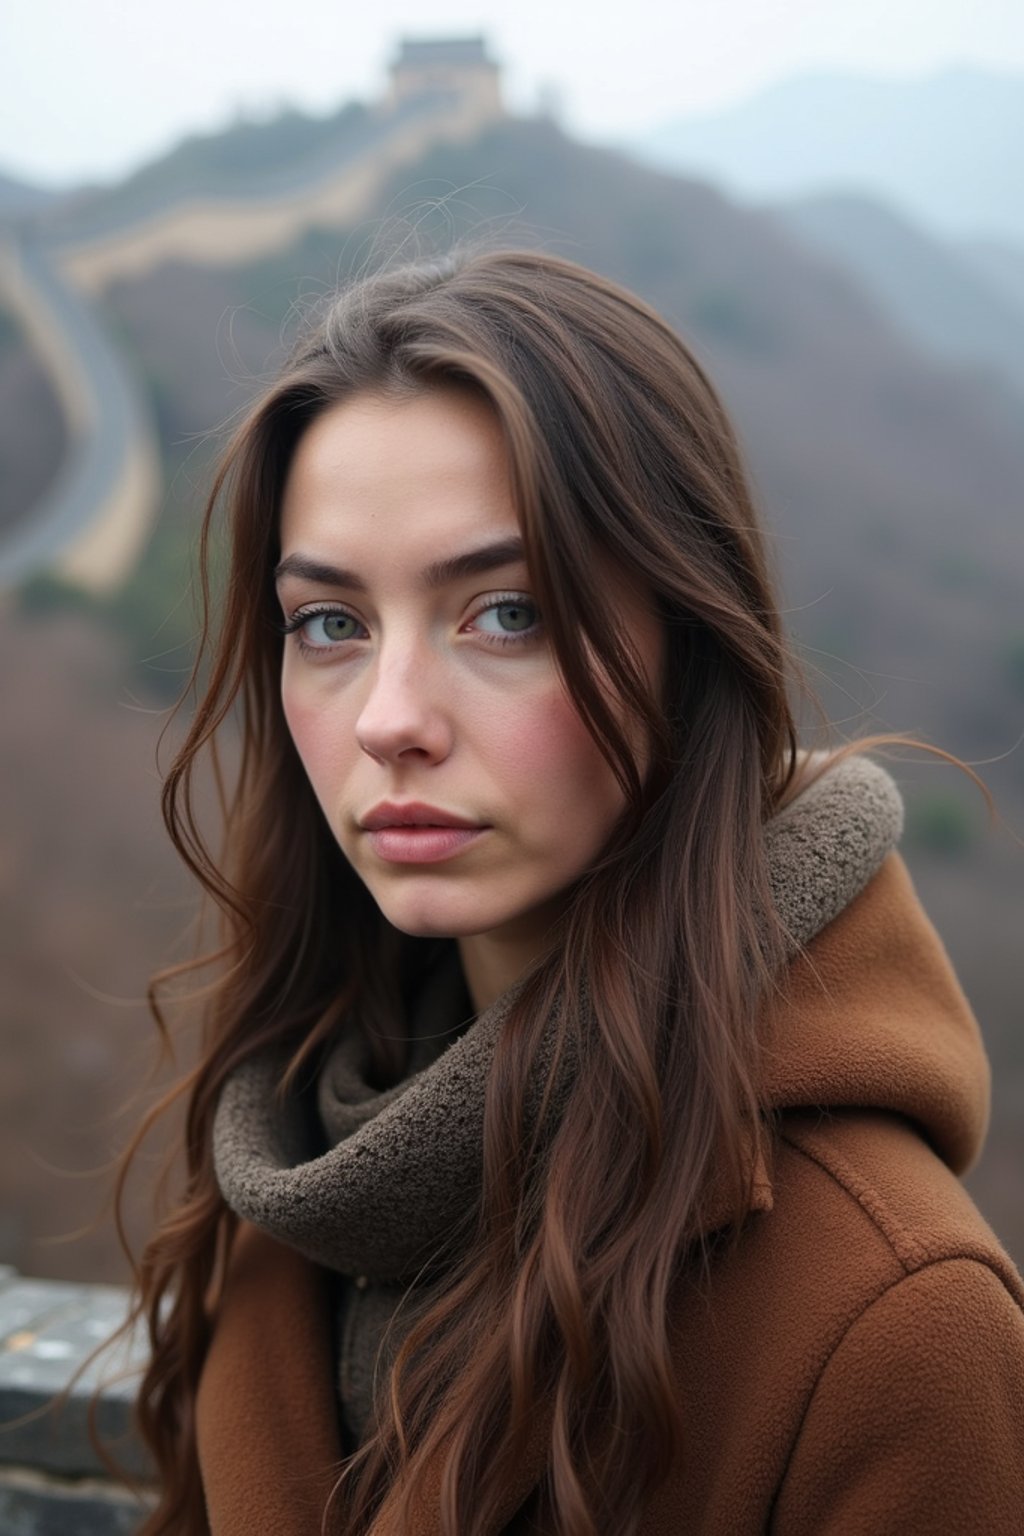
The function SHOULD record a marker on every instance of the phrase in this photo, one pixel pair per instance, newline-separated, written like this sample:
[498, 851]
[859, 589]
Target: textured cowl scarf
[397, 1187]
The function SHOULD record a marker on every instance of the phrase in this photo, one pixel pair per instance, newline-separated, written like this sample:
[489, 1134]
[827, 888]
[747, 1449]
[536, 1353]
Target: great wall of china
[93, 523]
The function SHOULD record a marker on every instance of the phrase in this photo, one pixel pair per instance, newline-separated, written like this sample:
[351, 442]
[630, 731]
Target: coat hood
[873, 1017]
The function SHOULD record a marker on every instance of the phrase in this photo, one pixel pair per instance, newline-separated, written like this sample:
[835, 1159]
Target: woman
[576, 1136]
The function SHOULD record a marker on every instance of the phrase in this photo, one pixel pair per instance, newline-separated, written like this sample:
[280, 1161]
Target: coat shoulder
[913, 1417]
[872, 1277]
[916, 1422]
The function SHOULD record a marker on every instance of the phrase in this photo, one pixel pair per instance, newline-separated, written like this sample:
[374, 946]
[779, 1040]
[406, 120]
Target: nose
[405, 716]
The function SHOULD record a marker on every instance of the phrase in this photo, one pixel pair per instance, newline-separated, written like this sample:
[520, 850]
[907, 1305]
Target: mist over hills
[952, 298]
[18, 197]
[891, 483]
[1001, 265]
[948, 148]
[245, 157]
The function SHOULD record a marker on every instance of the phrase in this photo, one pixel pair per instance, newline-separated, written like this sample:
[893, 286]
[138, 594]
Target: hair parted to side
[619, 451]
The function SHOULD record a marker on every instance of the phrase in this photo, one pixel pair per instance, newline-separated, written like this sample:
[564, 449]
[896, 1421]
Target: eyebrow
[474, 562]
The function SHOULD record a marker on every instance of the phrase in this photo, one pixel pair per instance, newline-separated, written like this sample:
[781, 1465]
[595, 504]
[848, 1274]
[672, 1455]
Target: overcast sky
[89, 88]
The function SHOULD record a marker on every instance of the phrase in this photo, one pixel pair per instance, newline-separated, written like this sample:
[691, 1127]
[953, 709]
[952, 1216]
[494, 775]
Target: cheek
[559, 764]
[320, 735]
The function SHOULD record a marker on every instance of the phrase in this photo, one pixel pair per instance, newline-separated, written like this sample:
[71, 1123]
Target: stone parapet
[52, 1483]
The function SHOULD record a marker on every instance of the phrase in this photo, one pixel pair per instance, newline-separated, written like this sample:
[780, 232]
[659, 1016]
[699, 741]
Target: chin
[436, 925]
[420, 926]
[426, 917]
[429, 915]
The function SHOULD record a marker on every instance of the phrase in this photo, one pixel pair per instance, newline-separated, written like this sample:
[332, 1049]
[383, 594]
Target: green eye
[322, 631]
[336, 626]
[513, 616]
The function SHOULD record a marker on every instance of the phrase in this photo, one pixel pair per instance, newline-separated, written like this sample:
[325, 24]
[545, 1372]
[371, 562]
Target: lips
[419, 834]
[414, 815]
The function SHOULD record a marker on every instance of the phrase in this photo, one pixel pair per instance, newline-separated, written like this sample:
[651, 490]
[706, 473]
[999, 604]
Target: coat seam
[908, 1253]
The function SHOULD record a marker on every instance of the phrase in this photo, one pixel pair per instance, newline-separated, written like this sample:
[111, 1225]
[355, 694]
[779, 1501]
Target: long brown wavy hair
[619, 451]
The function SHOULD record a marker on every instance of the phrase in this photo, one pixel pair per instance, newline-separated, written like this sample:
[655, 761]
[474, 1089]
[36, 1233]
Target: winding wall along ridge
[93, 523]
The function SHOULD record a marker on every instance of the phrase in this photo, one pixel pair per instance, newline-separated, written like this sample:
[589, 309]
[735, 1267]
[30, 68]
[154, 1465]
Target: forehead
[376, 469]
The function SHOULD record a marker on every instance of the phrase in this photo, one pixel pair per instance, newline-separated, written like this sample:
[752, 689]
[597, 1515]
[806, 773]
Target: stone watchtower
[455, 70]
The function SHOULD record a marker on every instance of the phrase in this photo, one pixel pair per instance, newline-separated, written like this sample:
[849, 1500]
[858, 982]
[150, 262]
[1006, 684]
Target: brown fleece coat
[855, 1368]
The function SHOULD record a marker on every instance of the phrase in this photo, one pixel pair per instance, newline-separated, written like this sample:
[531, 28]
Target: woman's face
[418, 684]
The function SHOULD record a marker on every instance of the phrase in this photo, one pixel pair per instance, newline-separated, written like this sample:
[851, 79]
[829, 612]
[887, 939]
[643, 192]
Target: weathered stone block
[47, 1329]
[32, 1504]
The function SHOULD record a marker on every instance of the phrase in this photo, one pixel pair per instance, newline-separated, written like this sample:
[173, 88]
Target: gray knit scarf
[403, 1169]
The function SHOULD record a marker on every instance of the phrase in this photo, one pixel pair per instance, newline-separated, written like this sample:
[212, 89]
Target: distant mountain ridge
[946, 296]
[947, 148]
[18, 198]
[1001, 265]
[291, 147]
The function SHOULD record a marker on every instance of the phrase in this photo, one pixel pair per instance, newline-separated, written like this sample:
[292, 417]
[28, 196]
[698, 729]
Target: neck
[493, 961]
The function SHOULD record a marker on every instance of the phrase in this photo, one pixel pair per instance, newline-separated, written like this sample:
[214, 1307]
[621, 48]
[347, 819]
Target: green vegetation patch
[939, 822]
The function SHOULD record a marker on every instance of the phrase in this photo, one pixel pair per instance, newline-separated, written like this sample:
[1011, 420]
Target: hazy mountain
[18, 197]
[242, 158]
[931, 288]
[948, 148]
[1001, 265]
